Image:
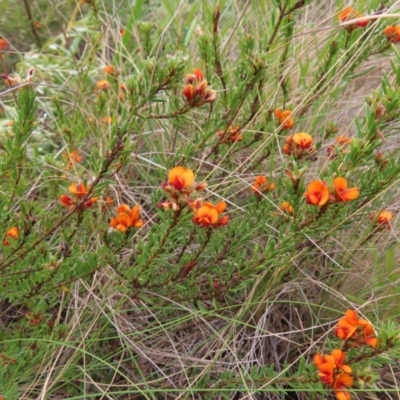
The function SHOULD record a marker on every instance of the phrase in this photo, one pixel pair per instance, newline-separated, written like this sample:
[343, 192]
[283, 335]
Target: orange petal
[340, 184]
[350, 194]
[123, 208]
[343, 380]
[220, 207]
[123, 219]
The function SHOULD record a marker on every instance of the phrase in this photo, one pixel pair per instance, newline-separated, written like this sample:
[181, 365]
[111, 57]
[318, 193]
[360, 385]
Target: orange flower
[74, 157]
[285, 118]
[347, 326]
[180, 178]
[3, 44]
[109, 69]
[392, 33]
[348, 14]
[342, 381]
[343, 193]
[233, 135]
[106, 120]
[326, 368]
[298, 144]
[359, 330]
[127, 218]
[303, 140]
[383, 218]
[79, 191]
[13, 232]
[102, 84]
[208, 215]
[196, 90]
[339, 356]
[342, 141]
[317, 193]
[286, 207]
[261, 185]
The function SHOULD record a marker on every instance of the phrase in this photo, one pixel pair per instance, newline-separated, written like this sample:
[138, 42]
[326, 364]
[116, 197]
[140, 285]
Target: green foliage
[165, 303]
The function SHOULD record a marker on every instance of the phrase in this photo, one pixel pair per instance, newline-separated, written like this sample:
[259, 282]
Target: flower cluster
[79, 192]
[196, 90]
[180, 185]
[285, 118]
[231, 135]
[333, 372]
[261, 185]
[126, 218]
[348, 14]
[12, 233]
[299, 144]
[392, 33]
[318, 193]
[355, 331]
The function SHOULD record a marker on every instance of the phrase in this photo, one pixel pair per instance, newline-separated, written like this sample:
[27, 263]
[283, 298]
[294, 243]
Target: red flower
[3, 44]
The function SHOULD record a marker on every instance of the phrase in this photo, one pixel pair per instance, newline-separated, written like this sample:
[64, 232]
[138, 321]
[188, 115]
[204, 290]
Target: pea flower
[102, 84]
[299, 144]
[196, 90]
[208, 215]
[126, 218]
[3, 44]
[261, 185]
[110, 70]
[342, 381]
[382, 218]
[78, 191]
[342, 142]
[286, 207]
[181, 180]
[73, 158]
[392, 33]
[285, 118]
[330, 369]
[232, 135]
[348, 14]
[13, 233]
[317, 193]
[342, 192]
[356, 330]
